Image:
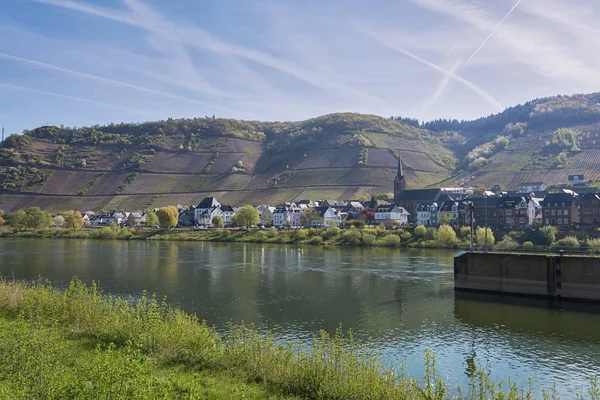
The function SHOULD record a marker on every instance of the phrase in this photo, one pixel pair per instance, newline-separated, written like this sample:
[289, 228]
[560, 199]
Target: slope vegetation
[137, 166]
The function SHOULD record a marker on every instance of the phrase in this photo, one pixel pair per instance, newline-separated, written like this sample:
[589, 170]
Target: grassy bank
[80, 343]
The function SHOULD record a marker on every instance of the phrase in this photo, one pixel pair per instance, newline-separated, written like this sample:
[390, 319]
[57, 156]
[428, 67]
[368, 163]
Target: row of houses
[563, 209]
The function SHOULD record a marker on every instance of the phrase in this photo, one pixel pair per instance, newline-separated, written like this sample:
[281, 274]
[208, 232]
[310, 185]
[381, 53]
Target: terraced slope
[125, 167]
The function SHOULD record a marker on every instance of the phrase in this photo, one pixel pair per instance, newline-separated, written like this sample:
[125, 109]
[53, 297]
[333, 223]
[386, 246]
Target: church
[411, 199]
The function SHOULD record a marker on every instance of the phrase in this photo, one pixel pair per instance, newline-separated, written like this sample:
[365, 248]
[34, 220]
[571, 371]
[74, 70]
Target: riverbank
[432, 238]
[80, 343]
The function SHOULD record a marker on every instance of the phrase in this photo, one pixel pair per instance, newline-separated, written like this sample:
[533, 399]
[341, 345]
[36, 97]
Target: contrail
[487, 39]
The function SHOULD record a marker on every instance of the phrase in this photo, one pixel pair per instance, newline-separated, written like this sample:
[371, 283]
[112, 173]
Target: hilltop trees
[167, 217]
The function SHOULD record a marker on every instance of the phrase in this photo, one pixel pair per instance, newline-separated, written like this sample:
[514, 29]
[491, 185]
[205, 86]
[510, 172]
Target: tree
[30, 218]
[59, 221]
[309, 216]
[480, 236]
[167, 217]
[131, 221]
[72, 220]
[247, 216]
[446, 237]
[217, 221]
[2, 221]
[420, 231]
[545, 236]
[151, 219]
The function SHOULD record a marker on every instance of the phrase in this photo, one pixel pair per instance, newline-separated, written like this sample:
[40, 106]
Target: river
[399, 301]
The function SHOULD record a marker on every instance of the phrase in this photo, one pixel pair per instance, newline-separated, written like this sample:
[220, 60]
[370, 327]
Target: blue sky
[82, 62]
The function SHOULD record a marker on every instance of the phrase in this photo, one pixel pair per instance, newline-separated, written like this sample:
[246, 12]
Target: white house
[266, 215]
[528, 187]
[391, 214]
[204, 212]
[227, 213]
[286, 215]
[329, 216]
[427, 214]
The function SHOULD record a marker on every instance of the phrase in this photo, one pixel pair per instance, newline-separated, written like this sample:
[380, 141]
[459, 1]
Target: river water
[399, 301]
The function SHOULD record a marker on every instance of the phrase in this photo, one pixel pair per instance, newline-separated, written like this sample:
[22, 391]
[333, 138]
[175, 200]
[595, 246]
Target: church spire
[400, 173]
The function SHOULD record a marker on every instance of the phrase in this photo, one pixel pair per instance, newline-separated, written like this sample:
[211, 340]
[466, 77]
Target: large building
[411, 199]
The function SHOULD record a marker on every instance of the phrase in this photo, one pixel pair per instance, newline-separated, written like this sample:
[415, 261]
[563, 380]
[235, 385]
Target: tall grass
[132, 331]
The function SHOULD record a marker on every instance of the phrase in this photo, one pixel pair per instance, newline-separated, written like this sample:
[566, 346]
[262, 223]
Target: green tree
[30, 218]
[167, 217]
[217, 221]
[420, 231]
[480, 237]
[151, 219]
[309, 216]
[446, 237]
[247, 216]
[545, 236]
[73, 220]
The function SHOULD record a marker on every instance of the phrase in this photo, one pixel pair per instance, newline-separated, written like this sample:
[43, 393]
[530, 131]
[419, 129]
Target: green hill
[179, 161]
[342, 156]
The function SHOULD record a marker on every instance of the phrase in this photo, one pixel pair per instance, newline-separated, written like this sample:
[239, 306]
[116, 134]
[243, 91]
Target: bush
[464, 232]
[301, 234]
[507, 243]
[545, 236]
[331, 232]
[431, 233]
[405, 236]
[480, 236]
[315, 240]
[368, 239]
[104, 233]
[569, 242]
[391, 240]
[420, 231]
[528, 245]
[446, 237]
[593, 244]
[351, 237]
[272, 232]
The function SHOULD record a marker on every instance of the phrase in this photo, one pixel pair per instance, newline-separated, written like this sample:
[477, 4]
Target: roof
[586, 198]
[418, 195]
[557, 198]
[531, 184]
[208, 202]
[426, 206]
[226, 208]
[447, 205]
[512, 201]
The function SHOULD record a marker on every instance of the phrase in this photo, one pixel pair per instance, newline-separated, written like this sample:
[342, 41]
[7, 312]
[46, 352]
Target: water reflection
[399, 301]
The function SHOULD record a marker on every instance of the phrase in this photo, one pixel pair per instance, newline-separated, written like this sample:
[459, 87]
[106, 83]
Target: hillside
[136, 166]
[341, 156]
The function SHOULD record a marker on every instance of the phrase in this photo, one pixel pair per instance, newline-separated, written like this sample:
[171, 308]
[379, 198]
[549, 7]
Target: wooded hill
[340, 156]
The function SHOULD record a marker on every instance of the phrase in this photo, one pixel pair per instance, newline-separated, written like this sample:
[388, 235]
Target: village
[529, 207]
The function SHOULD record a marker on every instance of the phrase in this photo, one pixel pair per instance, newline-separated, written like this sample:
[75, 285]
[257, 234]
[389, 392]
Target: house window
[553, 212]
[586, 210]
[547, 221]
[508, 212]
[566, 212]
[560, 221]
[508, 220]
[595, 211]
[566, 221]
[553, 221]
[521, 220]
[547, 212]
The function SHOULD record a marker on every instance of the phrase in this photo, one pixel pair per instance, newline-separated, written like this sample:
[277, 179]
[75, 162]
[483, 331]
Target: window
[566, 212]
[521, 220]
[547, 221]
[508, 220]
[547, 212]
[508, 212]
[595, 211]
[553, 212]
[560, 221]
[566, 221]
[586, 210]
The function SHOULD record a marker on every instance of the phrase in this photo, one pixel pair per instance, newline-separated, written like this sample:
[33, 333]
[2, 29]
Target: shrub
[569, 241]
[405, 236]
[464, 232]
[545, 236]
[301, 234]
[391, 240]
[507, 243]
[368, 239]
[446, 237]
[352, 238]
[480, 236]
[420, 231]
[315, 240]
[272, 232]
[528, 245]
[594, 244]
[331, 232]
[431, 233]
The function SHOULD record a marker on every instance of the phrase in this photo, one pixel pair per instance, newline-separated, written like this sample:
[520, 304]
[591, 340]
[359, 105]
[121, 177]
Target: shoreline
[81, 343]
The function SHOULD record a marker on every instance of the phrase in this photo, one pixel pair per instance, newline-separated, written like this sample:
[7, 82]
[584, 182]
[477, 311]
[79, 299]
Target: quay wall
[552, 276]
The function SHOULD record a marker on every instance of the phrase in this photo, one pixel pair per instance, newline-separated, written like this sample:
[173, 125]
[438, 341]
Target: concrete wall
[568, 277]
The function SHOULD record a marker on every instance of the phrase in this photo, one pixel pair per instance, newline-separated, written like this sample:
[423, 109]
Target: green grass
[80, 343]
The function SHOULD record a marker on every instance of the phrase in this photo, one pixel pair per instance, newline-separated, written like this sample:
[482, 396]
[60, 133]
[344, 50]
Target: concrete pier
[554, 277]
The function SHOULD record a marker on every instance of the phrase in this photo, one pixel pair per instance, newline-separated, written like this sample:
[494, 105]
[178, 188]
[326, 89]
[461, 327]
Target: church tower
[399, 183]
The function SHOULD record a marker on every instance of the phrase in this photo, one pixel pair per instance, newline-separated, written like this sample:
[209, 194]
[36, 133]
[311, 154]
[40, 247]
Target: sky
[84, 62]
